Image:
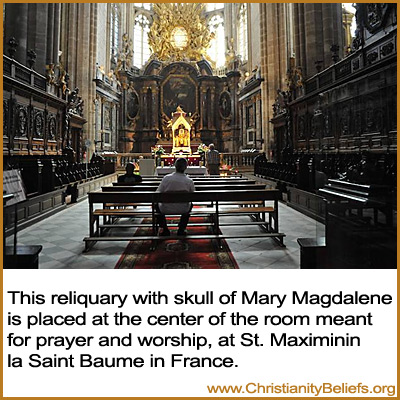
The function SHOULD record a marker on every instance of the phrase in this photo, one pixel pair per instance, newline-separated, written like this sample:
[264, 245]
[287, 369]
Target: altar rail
[121, 159]
[236, 160]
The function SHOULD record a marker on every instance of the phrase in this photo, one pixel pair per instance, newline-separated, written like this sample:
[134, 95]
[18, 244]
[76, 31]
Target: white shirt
[175, 182]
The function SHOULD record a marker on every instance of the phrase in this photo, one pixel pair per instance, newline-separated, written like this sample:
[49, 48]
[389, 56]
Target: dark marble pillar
[50, 34]
[37, 34]
[154, 101]
[314, 36]
[203, 100]
[208, 108]
[299, 32]
[145, 107]
[56, 32]
[233, 82]
[213, 108]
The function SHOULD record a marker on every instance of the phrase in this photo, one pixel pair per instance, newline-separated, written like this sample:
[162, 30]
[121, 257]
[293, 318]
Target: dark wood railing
[235, 160]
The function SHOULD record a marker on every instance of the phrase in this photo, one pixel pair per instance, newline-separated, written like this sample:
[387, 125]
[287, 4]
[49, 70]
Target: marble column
[233, 82]
[50, 34]
[56, 33]
[203, 100]
[36, 26]
[274, 60]
[79, 48]
[16, 25]
[213, 108]
[37, 34]
[316, 27]
[299, 36]
[53, 33]
[155, 96]
[328, 34]
[145, 107]
[313, 36]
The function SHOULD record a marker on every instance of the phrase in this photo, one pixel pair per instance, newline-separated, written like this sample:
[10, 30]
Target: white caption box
[372, 363]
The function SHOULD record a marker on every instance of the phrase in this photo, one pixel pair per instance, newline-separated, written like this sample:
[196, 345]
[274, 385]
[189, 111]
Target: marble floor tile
[61, 236]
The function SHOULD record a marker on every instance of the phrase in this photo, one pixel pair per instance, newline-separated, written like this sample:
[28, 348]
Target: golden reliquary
[181, 132]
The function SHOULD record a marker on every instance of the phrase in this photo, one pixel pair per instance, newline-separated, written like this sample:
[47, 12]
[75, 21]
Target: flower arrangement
[202, 148]
[226, 167]
[157, 150]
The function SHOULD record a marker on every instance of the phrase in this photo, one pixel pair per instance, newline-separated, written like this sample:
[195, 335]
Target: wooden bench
[199, 187]
[258, 212]
[151, 188]
[209, 182]
[197, 178]
[194, 177]
[224, 184]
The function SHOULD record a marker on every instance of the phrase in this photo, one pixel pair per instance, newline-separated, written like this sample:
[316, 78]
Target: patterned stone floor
[61, 237]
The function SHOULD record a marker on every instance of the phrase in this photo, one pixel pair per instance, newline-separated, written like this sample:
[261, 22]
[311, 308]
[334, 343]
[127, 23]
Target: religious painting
[178, 91]
[133, 105]
[225, 107]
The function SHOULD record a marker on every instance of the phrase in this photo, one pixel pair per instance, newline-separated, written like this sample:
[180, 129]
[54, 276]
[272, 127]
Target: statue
[166, 124]
[193, 121]
[181, 130]
[182, 139]
[76, 103]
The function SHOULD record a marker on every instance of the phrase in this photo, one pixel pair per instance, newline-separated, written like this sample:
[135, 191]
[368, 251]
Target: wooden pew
[269, 228]
[197, 178]
[202, 182]
[201, 186]
[198, 187]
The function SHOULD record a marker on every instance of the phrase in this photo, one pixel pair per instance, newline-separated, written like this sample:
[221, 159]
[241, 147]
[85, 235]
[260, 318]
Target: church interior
[298, 99]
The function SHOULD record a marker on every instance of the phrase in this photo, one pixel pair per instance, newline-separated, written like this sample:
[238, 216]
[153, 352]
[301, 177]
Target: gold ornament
[179, 38]
[179, 32]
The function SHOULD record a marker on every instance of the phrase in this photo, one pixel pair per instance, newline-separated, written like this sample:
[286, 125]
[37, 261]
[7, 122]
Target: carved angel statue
[63, 79]
[193, 121]
[73, 96]
[166, 124]
[50, 74]
[165, 121]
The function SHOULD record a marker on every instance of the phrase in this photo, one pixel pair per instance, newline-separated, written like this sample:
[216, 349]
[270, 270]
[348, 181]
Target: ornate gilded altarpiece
[179, 90]
[178, 74]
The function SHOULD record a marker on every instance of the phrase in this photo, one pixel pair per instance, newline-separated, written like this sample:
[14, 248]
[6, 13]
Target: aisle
[61, 237]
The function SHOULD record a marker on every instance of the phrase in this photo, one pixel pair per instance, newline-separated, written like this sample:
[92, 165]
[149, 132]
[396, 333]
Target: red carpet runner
[178, 254]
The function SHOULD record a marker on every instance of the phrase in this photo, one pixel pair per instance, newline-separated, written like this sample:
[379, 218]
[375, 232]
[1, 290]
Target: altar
[178, 100]
[191, 171]
[168, 160]
[179, 141]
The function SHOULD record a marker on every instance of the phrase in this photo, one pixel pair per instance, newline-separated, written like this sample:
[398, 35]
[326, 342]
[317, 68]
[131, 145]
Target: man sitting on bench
[130, 176]
[175, 182]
